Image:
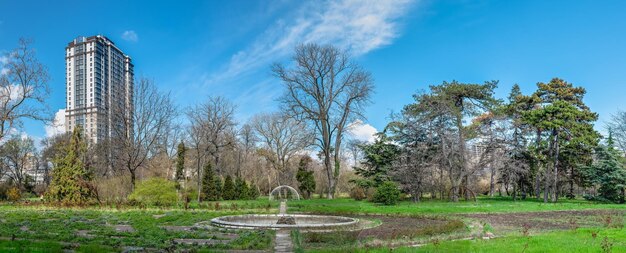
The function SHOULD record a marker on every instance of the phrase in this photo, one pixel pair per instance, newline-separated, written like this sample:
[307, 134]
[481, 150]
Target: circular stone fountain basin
[269, 221]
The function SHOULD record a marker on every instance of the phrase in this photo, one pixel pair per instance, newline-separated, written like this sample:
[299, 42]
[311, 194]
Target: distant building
[99, 80]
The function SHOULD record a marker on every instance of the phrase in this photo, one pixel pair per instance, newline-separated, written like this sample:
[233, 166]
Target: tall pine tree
[71, 180]
[229, 189]
[210, 189]
[180, 161]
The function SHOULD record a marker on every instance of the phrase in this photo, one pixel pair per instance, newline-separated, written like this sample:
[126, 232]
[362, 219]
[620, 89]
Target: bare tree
[211, 124]
[17, 156]
[329, 91]
[353, 147]
[23, 88]
[214, 119]
[247, 144]
[136, 141]
[282, 138]
[617, 126]
[167, 145]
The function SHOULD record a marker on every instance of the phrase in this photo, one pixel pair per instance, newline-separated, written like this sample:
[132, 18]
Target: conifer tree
[209, 186]
[70, 178]
[219, 186]
[241, 189]
[609, 172]
[305, 177]
[229, 189]
[180, 162]
[254, 192]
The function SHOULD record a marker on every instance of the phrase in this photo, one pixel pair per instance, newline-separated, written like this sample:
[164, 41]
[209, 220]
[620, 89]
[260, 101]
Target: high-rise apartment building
[99, 78]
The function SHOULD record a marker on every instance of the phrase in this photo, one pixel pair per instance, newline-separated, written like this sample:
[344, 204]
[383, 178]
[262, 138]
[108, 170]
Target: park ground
[488, 225]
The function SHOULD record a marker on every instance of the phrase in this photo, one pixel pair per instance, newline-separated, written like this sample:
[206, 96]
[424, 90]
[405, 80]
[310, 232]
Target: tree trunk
[492, 183]
[132, 179]
[461, 140]
[546, 186]
[556, 166]
[571, 182]
[455, 193]
[537, 176]
[198, 165]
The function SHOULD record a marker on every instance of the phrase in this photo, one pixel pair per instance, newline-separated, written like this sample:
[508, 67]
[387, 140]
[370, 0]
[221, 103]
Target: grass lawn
[567, 226]
[51, 229]
[580, 240]
[437, 207]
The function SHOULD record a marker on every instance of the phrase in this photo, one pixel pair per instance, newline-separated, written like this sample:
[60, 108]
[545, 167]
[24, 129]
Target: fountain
[284, 220]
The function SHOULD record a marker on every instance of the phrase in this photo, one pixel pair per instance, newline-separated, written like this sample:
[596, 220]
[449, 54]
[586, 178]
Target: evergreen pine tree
[254, 192]
[609, 172]
[229, 189]
[242, 189]
[219, 186]
[305, 178]
[180, 162]
[209, 188]
[70, 178]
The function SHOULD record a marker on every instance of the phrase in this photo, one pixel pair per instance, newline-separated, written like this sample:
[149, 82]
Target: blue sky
[202, 48]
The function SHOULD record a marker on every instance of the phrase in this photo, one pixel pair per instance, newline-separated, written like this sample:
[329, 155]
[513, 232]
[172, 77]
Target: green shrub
[4, 188]
[387, 193]
[191, 192]
[357, 193]
[155, 191]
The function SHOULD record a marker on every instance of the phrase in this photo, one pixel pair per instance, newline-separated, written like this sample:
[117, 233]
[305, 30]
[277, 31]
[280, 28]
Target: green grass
[52, 228]
[580, 240]
[437, 207]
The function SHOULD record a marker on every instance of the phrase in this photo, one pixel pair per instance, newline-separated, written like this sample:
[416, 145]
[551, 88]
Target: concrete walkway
[283, 243]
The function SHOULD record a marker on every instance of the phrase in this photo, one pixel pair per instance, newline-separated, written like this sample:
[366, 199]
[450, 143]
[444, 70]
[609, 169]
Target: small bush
[357, 193]
[4, 188]
[113, 189]
[191, 192]
[370, 193]
[155, 191]
[14, 194]
[387, 193]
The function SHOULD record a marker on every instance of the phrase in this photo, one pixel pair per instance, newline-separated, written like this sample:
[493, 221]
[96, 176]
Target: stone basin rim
[341, 221]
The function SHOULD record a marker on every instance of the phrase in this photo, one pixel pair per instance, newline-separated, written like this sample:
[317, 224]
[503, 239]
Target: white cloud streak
[356, 25]
[3, 61]
[130, 35]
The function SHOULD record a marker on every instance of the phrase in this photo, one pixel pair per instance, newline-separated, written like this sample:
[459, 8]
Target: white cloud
[130, 35]
[58, 125]
[357, 25]
[13, 92]
[362, 131]
[3, 60]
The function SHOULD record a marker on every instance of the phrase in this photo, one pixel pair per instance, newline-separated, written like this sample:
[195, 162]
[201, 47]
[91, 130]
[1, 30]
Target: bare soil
[405, 227]
[551, 220]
